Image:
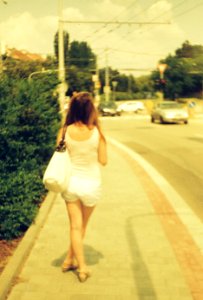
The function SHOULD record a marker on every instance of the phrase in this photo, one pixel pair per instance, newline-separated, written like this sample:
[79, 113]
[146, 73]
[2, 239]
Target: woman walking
[87, 148]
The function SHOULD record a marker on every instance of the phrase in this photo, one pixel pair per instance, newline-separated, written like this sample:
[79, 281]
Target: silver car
[169, 112]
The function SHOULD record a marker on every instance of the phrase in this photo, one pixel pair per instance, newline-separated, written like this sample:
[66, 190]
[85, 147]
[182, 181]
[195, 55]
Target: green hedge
[29, 122]
[120, 96]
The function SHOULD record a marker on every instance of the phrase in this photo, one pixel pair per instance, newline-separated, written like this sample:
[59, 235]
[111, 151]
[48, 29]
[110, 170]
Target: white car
[130, 106]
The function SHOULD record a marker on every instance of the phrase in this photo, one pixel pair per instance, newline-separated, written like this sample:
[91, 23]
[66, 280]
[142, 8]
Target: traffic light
[162, 82]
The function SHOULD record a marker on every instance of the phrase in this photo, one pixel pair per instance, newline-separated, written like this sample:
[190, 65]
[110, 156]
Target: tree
[132, 84]
[144, 83]
[79, 80]
[184, 72]
[18, 69]
[80, 61]
[81, 66]
[125, 83]
[189, 51]
[82, 56]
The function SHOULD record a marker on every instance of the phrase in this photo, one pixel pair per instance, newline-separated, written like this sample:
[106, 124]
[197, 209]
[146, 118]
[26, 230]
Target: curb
[21, 253]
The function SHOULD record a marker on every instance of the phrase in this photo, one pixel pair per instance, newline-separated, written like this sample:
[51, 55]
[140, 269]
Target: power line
[188, 10]
[177, 5]
[114, 22]
[136, 69]
[113, 29]
[155, 18]
[115, 18]
[160, 15]
[143, 11]
[137, 53]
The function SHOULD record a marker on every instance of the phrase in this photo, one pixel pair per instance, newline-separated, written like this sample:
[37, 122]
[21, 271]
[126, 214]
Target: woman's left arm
[102, 151]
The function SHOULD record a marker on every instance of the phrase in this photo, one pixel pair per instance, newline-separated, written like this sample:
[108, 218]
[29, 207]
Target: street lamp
[40, 72]
[162, 67]
[114, 83]
[95, 79]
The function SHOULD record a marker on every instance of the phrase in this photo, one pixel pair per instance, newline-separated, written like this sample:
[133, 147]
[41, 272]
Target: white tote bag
[58, 171]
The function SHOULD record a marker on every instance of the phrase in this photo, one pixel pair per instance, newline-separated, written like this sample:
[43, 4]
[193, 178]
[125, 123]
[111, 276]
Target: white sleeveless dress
[85, 181]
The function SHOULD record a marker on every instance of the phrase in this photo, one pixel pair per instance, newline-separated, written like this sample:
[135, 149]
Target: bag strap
[64, 133]
[62, 146]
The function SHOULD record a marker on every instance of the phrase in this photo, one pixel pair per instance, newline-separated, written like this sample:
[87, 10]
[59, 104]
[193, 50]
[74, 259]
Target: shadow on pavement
[141, 274]
[92, 257]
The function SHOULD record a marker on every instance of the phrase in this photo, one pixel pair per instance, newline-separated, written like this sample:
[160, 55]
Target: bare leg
[76, 221]
[86, 213]
[79, 216]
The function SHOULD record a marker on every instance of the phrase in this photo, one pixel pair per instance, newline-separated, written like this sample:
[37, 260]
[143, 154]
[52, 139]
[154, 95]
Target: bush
[121, 96]
[29, 124]
[20, 194]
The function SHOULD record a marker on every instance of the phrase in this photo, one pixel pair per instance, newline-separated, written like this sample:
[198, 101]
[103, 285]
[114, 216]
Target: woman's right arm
[102, 151]
[59, 136]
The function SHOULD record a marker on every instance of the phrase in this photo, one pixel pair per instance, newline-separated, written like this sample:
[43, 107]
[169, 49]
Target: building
[24, 55]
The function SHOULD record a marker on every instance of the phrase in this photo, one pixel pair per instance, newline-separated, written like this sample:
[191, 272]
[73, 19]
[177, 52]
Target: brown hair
[82, 109]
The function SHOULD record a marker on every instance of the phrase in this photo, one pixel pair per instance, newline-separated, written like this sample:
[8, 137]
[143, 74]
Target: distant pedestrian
[87, 148]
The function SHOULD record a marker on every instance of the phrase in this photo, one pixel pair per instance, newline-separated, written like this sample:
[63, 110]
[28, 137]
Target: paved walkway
[139, 245]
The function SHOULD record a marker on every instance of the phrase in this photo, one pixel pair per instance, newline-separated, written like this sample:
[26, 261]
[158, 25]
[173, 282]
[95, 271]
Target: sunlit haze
[134, 48]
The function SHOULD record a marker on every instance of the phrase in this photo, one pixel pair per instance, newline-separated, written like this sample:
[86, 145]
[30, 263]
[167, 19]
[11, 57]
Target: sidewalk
[139, 244]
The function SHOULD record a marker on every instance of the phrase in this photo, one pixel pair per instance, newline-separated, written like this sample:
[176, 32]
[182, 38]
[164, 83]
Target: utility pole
[97, 82]
[61, 65]
[129, 84]
[107, 86]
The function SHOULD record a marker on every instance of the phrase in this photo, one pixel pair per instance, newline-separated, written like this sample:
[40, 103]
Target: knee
[76, 227]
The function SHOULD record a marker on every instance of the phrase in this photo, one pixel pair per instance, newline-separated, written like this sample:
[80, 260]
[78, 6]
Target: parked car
[108, 109]
[169, 112]
[130, 107]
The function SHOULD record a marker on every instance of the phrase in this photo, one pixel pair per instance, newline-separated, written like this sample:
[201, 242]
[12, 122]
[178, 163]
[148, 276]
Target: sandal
[67, 266]
[83, 275]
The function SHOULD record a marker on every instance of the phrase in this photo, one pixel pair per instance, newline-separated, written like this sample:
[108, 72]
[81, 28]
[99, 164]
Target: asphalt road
[175, 150]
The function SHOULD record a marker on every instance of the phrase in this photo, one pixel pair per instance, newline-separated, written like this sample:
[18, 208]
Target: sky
[129, 48]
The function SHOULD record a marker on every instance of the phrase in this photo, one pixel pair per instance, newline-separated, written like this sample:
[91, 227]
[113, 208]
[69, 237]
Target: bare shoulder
[79, 133]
